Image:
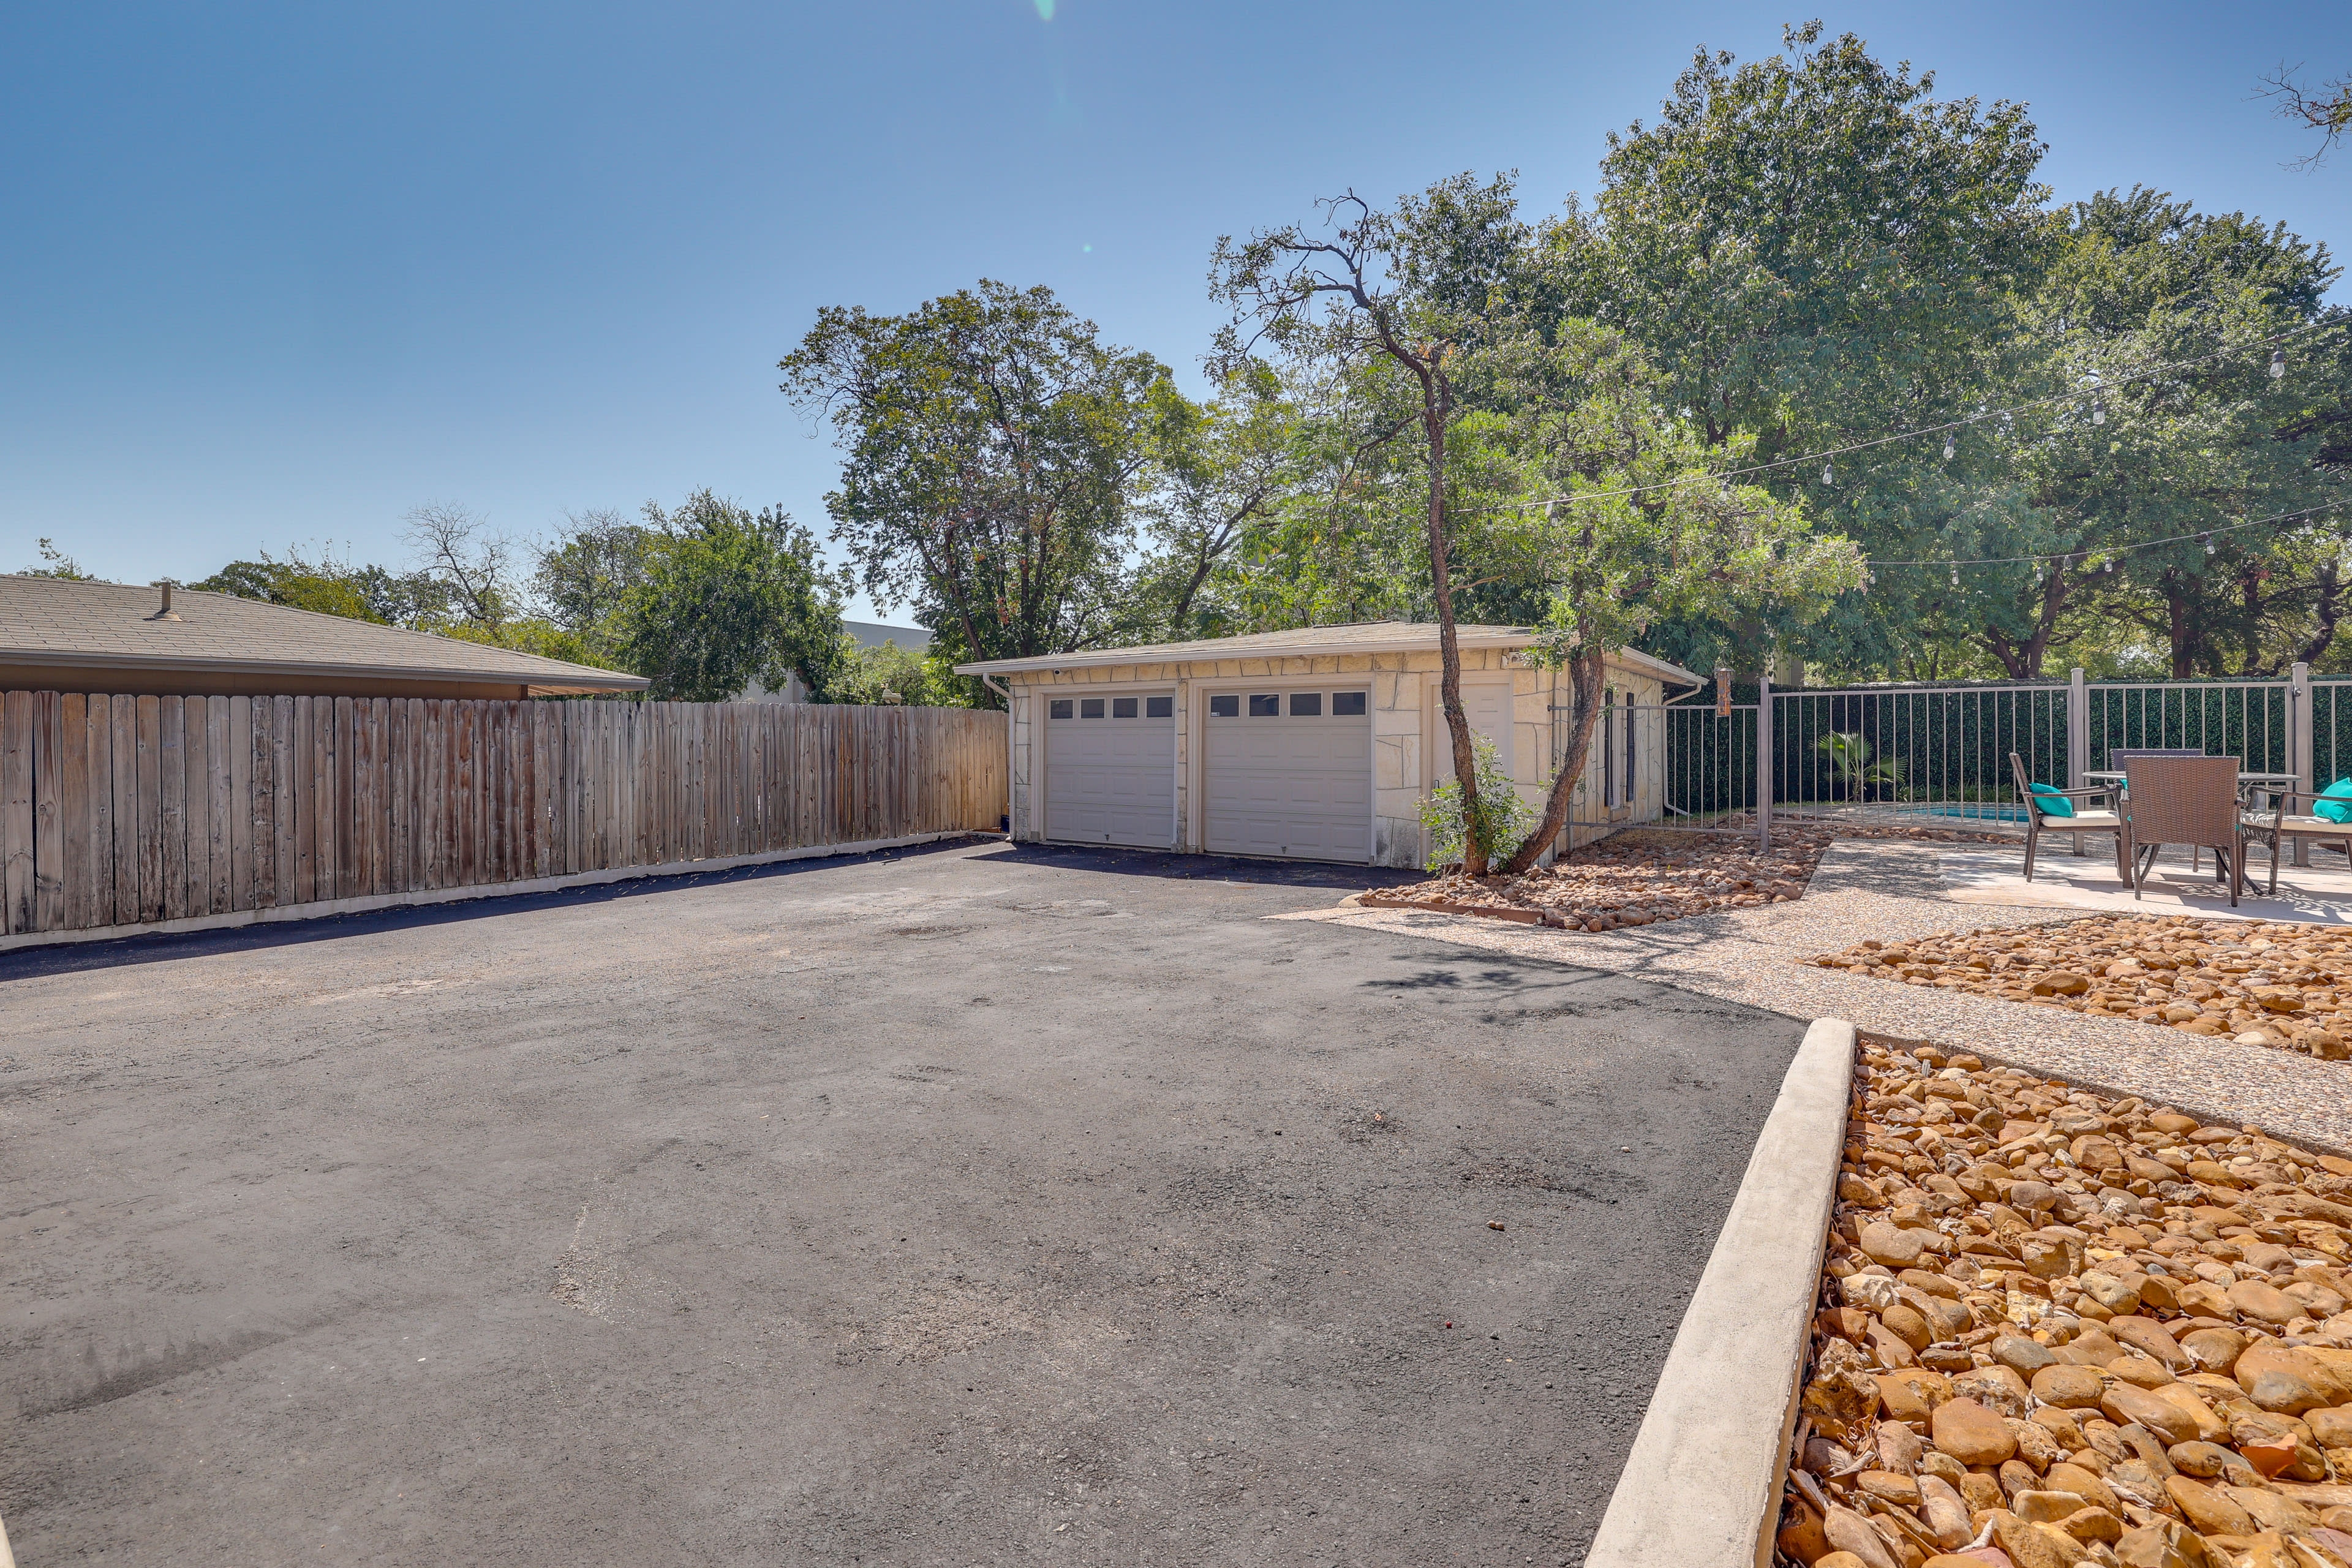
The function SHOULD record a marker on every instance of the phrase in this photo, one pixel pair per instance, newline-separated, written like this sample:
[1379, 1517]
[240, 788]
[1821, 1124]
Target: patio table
[2114, 777]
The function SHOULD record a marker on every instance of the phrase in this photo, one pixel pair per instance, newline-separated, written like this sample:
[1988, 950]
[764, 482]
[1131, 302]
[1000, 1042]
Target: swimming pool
[1970, 810]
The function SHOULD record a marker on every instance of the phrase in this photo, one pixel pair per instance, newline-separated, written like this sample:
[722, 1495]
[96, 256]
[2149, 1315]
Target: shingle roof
[49, 620]
[1363, 636]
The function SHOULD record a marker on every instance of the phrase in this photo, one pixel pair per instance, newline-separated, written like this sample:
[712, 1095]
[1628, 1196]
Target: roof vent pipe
[165, 613]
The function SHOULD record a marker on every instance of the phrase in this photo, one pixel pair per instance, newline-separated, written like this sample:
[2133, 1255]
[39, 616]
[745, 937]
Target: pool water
[1973, 811]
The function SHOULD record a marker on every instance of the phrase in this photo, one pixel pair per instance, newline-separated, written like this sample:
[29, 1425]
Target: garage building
[1314, 745]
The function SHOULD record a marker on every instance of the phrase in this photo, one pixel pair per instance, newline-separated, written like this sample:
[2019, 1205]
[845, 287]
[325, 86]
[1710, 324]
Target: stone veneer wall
[1405, 764]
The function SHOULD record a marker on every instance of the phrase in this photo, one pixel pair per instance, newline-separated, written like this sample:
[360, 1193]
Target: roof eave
[1109, 656]
[561, 677]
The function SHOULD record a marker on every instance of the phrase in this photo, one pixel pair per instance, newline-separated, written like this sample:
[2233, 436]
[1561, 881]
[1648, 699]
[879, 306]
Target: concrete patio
[2320, 892]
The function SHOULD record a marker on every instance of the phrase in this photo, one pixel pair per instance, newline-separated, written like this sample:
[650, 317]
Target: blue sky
[274, 275]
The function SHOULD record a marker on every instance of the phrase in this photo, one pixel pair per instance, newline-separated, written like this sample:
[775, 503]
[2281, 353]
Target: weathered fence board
[17, 812]
[119, 810]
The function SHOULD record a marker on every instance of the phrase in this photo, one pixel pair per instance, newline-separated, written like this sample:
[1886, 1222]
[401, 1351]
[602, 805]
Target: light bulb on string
[2209, 544]
[2037, 573]
[2098, 411]
[2278, 363]
[1947, 448]
[1956, 574]
[1827, 477]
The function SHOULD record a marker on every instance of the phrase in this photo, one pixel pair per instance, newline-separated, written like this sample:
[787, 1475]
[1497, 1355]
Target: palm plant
[1851, 764]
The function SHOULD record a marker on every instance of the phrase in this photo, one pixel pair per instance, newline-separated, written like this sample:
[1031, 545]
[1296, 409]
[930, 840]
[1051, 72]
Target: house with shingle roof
[58, 635]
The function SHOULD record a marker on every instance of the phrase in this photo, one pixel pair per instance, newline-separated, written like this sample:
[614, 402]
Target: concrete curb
[1701, 1488]
[321, 909]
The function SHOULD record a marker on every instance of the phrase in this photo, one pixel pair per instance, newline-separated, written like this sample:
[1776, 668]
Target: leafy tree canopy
[728, 597]
[993, 443]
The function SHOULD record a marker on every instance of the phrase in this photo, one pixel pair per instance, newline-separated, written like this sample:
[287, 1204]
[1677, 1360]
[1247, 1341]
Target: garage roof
[114, 626]
[1364, 636]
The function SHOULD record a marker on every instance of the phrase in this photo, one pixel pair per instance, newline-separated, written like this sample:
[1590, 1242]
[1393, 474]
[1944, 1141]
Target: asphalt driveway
[971, 1206]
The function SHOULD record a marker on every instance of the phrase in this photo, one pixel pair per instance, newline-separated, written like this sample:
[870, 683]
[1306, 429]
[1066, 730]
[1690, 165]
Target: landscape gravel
[1643, 877]
[2274, 984]
[1891, 891]
[2059, 1328]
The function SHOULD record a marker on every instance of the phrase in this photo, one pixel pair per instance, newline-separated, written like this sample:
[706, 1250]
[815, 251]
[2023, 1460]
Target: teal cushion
[2050, 801]
[2334, 802]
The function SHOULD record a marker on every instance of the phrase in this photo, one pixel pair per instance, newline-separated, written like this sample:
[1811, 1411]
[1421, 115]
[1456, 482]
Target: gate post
[2078, 737]
[1764, 764]
[2299, 727]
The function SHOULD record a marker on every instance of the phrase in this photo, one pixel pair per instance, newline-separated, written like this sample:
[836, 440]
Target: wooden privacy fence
[119, 811]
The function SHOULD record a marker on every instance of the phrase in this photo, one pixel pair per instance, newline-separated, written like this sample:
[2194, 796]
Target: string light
[1956, 574]
[2110, 565]
[2278, 363]
[2209, 544]
[1828, 478]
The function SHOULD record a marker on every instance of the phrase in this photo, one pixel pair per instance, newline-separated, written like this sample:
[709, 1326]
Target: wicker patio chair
[2120, 757]
[2183, 800]
[2277, 822]
[2039, 821]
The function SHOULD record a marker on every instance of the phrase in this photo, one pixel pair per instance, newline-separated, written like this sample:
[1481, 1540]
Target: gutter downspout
[990, 682]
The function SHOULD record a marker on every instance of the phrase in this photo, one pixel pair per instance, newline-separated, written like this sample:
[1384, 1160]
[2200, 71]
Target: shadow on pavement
[1204, 867]
[29, 963]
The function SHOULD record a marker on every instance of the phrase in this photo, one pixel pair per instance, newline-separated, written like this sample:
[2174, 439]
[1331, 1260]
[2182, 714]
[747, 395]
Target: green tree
[584, 575]
[728, 597]
[1808, 242]
[414, 598]
[2144, 410]
[324, 585]
[1813, 249]
[889, 675]
[1220, 469]
[1406, 298]
[55, 562]
[993, 446]
[1638, 527]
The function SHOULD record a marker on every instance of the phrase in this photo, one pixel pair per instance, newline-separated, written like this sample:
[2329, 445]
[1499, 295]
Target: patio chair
[2183, 800]
[2277, 822]
[2040, 820]
[2120, 757]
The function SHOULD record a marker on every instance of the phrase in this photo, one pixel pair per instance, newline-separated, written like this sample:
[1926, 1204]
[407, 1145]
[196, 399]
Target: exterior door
[1290, 772]
[1488, 705]
[1110, 769]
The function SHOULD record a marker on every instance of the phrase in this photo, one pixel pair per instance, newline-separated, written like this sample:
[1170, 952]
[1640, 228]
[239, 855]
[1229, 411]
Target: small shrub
[1504, 820]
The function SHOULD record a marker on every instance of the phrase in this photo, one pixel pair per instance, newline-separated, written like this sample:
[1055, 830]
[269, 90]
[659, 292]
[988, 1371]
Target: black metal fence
[1944, 750]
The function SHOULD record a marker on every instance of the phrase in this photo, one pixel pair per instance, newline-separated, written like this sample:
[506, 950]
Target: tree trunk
[1584, 673]
[2329, 609]
[2023, 660]
[2177, 630]
[1449, 647]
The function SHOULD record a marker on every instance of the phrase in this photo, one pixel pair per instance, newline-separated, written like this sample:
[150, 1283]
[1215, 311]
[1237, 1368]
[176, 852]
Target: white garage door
[1110, 770]
[1290, 772]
